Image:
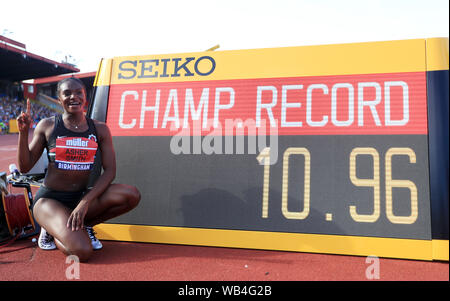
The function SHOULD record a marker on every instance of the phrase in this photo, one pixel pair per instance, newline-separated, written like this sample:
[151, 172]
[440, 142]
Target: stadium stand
[27, 75]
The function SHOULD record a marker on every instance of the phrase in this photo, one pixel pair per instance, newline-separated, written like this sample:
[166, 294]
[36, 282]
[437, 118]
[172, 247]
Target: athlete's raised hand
[24, 119]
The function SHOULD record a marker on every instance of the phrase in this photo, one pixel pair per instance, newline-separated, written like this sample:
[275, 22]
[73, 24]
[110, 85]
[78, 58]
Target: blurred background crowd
[11, 108]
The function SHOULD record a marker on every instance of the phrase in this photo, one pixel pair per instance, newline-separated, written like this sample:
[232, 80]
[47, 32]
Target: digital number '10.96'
[373, 182]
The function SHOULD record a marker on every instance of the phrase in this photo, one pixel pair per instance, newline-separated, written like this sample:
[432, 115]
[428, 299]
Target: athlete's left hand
[76, 218]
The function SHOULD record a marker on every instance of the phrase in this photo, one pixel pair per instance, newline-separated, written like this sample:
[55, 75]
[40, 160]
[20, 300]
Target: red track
[23, 260]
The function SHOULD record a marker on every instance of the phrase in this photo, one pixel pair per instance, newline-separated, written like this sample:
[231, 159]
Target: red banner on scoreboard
[373, 104]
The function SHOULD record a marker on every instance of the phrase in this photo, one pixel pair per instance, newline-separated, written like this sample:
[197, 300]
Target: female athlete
[64, 206]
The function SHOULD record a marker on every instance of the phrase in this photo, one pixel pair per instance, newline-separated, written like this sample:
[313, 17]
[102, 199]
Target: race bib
[75, 153]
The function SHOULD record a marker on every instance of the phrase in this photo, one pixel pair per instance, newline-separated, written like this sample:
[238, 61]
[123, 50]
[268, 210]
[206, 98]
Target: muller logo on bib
[77, 142]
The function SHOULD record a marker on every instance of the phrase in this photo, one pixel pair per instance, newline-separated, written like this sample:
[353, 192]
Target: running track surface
[125, 261]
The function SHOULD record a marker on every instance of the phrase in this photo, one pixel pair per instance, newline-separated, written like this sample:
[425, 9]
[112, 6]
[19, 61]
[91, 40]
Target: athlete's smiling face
[72, 96]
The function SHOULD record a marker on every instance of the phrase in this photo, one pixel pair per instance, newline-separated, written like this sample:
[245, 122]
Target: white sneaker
[46, 241]
[96, 244]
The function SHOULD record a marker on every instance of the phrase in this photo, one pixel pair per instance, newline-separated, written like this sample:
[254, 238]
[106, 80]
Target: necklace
[73, 125]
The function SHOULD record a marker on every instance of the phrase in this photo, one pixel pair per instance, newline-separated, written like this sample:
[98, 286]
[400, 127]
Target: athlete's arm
[76, 218]
[108, 162]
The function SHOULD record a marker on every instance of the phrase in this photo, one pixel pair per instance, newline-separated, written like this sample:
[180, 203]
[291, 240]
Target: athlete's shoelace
[47, 238]
[91, 233]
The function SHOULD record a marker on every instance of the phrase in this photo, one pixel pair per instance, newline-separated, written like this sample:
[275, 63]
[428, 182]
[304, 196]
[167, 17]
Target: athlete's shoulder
[101, 127]
[45, 123]
[99, 124]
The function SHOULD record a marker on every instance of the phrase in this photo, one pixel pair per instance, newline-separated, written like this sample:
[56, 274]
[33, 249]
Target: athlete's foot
[96, 244]
[46, 241]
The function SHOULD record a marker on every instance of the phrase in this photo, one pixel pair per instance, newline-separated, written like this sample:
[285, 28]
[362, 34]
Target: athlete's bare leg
[52, 216]
[116, 200]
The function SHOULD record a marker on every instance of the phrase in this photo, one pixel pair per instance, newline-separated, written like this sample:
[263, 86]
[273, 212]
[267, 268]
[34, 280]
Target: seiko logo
[170, 67]
[76, 142]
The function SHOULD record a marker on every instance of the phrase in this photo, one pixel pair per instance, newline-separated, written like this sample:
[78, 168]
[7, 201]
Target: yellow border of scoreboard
[437, 54]
[280, 241]
[416, 55]
[366, 58]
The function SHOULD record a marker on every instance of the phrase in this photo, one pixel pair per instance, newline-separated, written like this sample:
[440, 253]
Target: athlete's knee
[130, 195]
[42, 209]
[134, 196]
[82, 251]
